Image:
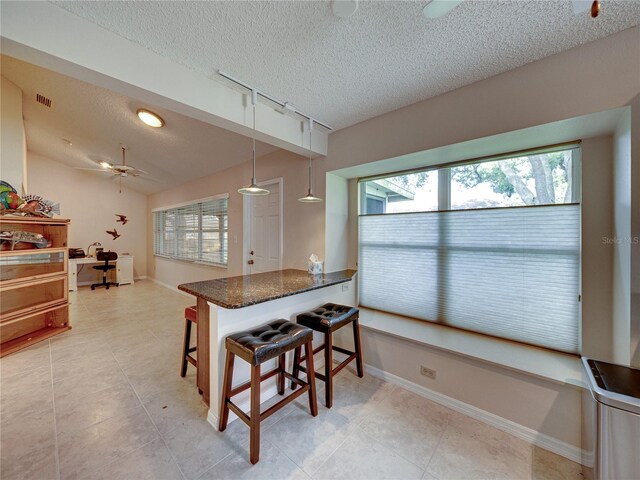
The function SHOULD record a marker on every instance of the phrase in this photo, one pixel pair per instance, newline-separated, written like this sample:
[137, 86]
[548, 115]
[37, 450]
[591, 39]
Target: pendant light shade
[310, 197]
[253, 189]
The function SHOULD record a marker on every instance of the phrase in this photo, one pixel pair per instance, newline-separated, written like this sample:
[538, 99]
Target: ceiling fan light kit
[253, 188]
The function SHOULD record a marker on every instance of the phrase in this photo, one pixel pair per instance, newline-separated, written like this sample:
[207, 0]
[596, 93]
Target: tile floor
[105, 401]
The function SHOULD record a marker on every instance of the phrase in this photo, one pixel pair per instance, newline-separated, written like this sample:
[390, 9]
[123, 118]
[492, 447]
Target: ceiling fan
[119, 171]
[438, 8]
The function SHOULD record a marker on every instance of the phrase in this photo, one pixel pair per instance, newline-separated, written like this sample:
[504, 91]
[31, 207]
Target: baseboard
[525, 433]
[141, 277]
[170, 287]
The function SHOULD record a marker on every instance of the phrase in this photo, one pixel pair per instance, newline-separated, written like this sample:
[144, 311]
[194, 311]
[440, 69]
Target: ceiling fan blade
[581, 6]
[439, 8]
[93, 169]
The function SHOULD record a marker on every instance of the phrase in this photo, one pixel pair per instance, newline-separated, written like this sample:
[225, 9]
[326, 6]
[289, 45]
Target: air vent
[42, 100]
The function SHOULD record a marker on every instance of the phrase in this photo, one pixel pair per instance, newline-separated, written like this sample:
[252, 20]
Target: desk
[123, 270]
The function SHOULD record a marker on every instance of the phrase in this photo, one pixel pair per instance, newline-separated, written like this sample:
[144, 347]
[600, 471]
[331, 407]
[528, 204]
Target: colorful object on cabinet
[30, 205]
[25, 237]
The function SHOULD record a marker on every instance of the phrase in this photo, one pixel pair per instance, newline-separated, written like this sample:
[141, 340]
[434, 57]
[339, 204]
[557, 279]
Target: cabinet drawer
[23, 298]
[31, 265]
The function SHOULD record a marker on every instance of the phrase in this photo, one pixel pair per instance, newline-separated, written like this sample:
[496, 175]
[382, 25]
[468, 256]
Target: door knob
[250, 262]
[251, 252]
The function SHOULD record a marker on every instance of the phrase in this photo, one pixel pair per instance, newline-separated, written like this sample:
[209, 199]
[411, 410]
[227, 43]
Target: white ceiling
[343, 71]
[97, 121]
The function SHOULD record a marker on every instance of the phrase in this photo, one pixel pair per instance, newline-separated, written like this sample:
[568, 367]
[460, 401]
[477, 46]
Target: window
[495, 249]
[196, 232]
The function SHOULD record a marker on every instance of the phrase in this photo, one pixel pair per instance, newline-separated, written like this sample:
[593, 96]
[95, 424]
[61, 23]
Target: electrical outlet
[345, 287]
[427, 372]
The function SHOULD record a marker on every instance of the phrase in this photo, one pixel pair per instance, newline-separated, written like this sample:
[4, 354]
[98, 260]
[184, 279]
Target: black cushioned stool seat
[256, 346]
[327, 319]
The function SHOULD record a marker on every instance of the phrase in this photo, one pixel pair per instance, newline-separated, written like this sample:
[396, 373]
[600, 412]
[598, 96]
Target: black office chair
[106, 257]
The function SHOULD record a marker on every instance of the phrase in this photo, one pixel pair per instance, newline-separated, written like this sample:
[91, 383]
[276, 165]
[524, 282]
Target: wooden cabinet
[33, 285]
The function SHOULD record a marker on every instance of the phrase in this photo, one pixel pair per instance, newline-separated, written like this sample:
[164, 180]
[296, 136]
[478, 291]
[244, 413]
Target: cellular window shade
[195, 232]
[508, 272]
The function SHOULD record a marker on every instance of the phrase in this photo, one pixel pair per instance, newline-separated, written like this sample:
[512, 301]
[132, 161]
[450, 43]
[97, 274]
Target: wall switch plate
[345, 287]
[427, 372]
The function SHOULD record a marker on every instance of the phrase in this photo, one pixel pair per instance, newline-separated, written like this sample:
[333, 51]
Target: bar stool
[327, 319]
[190, 316]
[256, 346]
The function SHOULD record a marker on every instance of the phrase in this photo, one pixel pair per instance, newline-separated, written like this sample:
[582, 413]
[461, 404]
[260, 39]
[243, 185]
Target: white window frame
[199, 260]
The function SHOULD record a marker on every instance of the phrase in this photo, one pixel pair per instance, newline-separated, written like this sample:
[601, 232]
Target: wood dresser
[34, 302]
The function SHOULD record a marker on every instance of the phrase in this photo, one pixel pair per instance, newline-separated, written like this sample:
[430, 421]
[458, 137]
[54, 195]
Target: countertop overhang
[245, 290]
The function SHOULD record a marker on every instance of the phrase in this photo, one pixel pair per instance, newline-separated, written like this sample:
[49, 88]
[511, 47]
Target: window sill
[558, 367]
[195, 262]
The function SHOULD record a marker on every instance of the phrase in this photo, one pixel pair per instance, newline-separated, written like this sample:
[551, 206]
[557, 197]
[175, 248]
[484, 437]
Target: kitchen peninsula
[228, 305]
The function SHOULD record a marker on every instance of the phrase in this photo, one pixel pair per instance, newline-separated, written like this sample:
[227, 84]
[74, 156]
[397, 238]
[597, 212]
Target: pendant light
[253, 189]
[310, 197]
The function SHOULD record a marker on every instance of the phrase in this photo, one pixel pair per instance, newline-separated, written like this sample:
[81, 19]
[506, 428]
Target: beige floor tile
[28, 447]
[470, 449]
[92, 361]
[26, 393]
[408, 424]
[31, 358]
[362, 457]
[88, 382]
[150, 462]
[173, 408]
[76, 412]
[273, 465]
[83, 452]
[197, 447]
[307, 440]
[549, 466]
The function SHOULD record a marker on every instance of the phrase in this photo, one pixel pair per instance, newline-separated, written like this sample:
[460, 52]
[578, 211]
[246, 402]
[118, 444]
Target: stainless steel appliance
[616, 393]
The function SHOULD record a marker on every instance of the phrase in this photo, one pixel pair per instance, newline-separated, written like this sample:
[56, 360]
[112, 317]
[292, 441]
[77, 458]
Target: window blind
[194, 232]
[507, 272]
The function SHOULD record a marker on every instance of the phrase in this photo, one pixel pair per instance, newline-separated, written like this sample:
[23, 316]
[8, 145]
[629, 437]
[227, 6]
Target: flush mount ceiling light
[253, 189]
[152, 119]
[310, 197]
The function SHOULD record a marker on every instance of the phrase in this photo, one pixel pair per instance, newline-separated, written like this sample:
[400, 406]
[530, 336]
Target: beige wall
[91, 203]
[634, 240]
[302, 222]
[621, 271]
[13, 148]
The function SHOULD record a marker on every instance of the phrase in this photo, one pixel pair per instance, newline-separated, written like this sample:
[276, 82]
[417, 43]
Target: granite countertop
[245, 290]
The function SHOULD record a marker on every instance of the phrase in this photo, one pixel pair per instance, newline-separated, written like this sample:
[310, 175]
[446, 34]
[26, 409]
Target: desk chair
[105, 257]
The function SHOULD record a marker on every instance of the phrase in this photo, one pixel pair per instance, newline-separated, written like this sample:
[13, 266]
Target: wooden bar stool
[327, 319]
[256, 346]
[190, 317]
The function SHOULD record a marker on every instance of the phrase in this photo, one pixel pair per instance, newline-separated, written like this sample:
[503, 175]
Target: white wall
[634, 240]
[91, 202]
[13, 148]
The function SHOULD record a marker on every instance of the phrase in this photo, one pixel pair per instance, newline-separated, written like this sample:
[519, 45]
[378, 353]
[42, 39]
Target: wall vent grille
[41, 99]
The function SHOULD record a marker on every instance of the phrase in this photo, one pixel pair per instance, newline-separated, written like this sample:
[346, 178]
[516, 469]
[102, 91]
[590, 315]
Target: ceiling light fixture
[152, 119]
[105, 165]
[310, 197]
[438, 8]
[253, 189]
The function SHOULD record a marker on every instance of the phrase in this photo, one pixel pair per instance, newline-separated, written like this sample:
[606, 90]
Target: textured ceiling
[387, 55]
[97, 121]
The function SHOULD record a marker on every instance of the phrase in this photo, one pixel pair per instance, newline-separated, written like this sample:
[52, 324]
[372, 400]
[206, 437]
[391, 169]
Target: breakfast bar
[228, 305]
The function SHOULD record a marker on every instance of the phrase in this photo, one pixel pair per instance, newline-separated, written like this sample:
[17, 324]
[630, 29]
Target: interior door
[265, 250]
